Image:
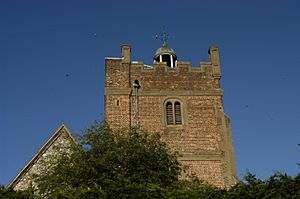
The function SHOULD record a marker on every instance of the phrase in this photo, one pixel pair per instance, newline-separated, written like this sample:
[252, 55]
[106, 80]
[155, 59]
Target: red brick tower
[182, 102]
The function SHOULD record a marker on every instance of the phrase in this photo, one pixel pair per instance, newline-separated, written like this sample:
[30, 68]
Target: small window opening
[118, 102]
[173, 113]
[169, 113]
[178, 119]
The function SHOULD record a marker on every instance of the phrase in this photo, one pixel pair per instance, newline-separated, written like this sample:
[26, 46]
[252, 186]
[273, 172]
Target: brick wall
[204, 139]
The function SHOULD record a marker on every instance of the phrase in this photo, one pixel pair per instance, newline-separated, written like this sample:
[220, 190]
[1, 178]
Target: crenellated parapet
[184, 76]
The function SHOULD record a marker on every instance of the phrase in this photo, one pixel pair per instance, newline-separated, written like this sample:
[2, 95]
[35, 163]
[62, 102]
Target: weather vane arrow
[163, 36]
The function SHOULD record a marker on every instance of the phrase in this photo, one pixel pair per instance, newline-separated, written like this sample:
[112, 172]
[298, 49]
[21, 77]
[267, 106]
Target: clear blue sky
[42, 41]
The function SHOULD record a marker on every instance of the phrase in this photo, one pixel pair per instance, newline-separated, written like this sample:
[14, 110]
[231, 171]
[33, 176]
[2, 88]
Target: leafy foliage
[194, 189]
[11, 194]
[277, 186]
[112, 165]
[132, 164]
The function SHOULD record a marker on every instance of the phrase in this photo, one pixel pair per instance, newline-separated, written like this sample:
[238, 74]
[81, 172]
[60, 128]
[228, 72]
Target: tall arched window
[173, 113]
[177, 113]
[169, 113]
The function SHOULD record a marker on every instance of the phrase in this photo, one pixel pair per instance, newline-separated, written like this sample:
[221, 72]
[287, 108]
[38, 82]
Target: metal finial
[163, 36]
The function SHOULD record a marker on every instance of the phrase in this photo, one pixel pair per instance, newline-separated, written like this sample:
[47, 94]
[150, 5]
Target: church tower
[182, 102]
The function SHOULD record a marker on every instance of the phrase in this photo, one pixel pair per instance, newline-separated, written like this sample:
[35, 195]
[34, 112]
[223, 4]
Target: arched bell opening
[166, 54]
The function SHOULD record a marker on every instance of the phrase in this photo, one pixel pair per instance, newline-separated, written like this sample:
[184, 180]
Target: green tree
[194, 189]
[132, 164]
[107, 164]
[278, 185]
[11, 194]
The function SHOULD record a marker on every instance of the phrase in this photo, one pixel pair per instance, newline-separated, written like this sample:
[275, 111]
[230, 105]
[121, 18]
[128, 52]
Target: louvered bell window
[169, 113]
[178, 119]
[173, 113]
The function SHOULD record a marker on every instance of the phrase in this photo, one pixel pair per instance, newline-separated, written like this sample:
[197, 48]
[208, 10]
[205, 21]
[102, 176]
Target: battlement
[204, 67]
[210, 67]
[120, 72]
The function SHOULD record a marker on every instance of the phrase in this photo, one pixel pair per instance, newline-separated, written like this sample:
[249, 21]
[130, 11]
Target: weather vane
[163, 36]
